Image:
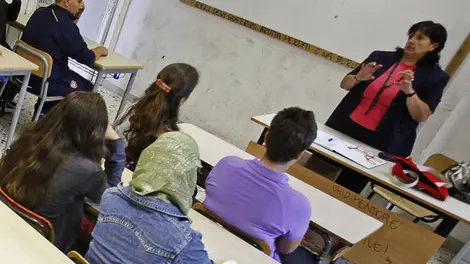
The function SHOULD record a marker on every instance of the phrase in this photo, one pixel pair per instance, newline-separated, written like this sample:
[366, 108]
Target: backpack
[424, 181]
[459, 176]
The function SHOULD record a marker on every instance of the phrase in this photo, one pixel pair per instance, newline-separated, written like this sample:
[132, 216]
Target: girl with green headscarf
[147, 221]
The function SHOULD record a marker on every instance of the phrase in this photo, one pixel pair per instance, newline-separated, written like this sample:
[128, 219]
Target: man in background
[54, 29]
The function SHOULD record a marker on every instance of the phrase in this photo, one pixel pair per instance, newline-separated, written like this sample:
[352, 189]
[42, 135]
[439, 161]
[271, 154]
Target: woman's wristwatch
[410, 94]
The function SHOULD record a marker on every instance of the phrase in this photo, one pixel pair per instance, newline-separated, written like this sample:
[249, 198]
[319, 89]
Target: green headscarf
[167, 170]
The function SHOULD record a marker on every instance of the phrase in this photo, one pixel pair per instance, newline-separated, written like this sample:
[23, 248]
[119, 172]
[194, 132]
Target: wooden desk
[223, 245]
[21, 244]
[12, 64]
[325, 209]
[452, 210]
[113, 63]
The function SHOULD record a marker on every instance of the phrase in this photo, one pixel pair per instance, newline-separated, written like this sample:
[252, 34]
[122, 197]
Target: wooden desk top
[11, 62]
[327, 212]
[21, 244]
[223, 245]
[220, 243]
[113, 61]
[451, 206]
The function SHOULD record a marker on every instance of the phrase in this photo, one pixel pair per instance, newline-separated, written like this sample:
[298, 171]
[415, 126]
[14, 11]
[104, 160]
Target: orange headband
[163, 86]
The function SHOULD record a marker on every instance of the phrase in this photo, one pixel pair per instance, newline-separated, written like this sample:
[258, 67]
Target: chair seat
[402, 203]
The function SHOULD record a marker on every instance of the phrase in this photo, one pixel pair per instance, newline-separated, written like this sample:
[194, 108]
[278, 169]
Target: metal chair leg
[327, 240]
[39, 109]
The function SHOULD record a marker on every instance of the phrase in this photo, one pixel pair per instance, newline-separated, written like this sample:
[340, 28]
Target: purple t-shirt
[257, 200]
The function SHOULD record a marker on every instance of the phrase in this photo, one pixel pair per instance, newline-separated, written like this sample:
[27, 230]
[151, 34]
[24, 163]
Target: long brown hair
[158, 109]
[75, 126]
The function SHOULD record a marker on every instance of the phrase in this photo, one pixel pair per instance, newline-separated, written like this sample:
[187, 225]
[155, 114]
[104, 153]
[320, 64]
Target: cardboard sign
[398, 241]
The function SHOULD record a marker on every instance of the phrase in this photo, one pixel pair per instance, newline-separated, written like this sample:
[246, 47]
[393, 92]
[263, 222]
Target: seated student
[147, 221]
[254, 196]
[8, 12]
[53, 29]
[157, 111]
[56, 162]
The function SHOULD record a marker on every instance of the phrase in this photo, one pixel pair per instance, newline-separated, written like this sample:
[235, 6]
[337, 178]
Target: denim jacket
[138, 229]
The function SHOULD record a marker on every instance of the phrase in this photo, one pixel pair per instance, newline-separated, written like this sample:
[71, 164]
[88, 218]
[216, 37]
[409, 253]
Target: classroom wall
[90, 23]
[244, 73]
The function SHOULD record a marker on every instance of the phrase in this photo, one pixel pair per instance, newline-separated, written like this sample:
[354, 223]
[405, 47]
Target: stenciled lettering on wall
[272, 33]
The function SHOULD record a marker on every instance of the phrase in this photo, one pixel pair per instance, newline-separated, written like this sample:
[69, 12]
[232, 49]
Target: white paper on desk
[346, 150]
[326, 140]
[351, 152]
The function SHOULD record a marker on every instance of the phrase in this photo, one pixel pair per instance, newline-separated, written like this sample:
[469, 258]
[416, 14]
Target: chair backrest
[439, 162]
[77, 258]
[259, 244]
[42, 59]
[41, 224]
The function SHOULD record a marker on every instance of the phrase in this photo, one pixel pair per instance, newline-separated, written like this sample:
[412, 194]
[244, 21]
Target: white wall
[244, 73]
[91, 21]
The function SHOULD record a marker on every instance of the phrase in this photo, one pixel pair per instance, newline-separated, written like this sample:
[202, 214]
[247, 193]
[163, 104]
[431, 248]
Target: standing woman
[392, 92]
[157, 111]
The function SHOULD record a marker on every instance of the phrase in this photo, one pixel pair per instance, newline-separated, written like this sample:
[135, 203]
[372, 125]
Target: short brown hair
[292, 131]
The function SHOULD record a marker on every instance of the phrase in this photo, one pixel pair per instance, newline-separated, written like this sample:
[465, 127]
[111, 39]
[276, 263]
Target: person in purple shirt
[255, 197]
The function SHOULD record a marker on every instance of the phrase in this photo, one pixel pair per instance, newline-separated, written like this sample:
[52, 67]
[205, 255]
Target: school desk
[114, 63]
[22, 244]
[451, 210]
[327, 212]
[11, 64]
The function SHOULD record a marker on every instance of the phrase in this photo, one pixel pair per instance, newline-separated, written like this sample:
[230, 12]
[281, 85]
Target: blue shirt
[139, 229]
[52, 30]
[257, 200]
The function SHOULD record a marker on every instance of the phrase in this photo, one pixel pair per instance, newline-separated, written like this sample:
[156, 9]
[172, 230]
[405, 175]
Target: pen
[330, 139]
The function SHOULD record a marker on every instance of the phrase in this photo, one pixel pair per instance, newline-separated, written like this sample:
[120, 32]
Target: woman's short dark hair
[292, 131]
[434, 31]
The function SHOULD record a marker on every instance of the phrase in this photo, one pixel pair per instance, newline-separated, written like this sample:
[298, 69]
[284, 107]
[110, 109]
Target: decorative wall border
[274, 34]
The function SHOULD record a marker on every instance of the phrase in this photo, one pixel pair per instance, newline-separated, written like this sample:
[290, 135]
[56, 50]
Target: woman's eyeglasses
[368, 156]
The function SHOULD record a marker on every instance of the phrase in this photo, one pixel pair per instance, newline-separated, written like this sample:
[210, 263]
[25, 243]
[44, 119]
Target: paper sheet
[348, 150]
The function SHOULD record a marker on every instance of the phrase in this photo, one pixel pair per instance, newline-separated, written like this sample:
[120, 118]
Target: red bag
[426, 181]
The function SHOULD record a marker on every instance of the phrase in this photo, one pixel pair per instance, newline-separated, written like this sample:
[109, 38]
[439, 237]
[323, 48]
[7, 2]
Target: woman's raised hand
[367, 71]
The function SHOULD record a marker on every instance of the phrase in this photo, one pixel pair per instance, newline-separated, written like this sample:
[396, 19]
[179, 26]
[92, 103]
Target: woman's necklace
[385, 86]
